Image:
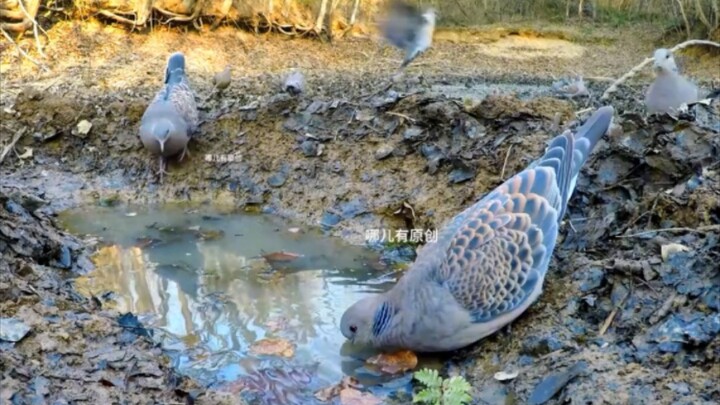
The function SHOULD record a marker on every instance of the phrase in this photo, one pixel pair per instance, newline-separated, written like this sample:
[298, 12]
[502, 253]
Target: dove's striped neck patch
[382, 318]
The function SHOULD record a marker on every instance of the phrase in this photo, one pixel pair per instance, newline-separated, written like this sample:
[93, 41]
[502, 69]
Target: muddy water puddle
[242, 302]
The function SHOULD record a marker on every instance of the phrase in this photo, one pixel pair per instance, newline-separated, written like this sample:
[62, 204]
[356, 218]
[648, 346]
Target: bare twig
[700, 229]
[701, 16]
[507, 155]
[28, 57]
[664, 309]
[684, 16]
[613, 87]
[319, 23]
[613, 313]
[397, 114]
[31, 18]
[353, 16]
[11, 145]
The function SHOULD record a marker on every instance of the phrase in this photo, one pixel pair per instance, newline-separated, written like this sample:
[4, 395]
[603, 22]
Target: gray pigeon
[669, 90]
[408, 29]
[489, 262]
[172, 117]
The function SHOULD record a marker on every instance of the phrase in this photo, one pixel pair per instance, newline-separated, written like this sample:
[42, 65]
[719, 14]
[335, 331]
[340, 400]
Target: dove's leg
[409, 57]
[185, 151]
[162, 170]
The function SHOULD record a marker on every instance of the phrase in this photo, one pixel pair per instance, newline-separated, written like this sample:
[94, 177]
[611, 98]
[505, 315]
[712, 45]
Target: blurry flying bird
[409, 29]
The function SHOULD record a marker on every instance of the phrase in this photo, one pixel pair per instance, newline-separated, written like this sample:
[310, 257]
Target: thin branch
[700, 229]
[319, 23]
[116, 17]
[507, 155]
[28, 57]
[609, 320]
[31, 18]
[685, 19]
[701, 15]
[613, 87]
[353, 16]
[11, 145]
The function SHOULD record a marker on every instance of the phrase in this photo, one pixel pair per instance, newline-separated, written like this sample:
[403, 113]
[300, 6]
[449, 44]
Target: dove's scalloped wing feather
[493, 255]
[183, 99]
[497, 258]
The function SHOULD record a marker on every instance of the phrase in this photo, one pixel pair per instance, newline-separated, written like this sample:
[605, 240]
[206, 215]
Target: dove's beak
[162, 145]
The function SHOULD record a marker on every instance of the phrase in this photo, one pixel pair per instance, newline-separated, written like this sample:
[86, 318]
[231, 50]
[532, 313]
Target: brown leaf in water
[143, 243]
[273, 347]
[328, 393]
[393, 363]
[281, 256]
[351, 396]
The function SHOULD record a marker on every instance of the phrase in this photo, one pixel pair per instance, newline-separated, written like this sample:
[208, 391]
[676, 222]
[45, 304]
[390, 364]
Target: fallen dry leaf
[393, 363]
[273, 347]
[351, 396]
[281, 256]
[328, 393]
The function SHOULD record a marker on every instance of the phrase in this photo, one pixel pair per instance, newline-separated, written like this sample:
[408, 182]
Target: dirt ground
[348, 155]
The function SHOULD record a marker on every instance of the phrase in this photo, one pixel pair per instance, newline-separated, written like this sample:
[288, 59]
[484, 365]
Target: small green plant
[440, 391]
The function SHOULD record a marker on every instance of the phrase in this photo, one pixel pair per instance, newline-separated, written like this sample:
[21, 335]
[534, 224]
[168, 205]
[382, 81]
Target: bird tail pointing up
[567, 165]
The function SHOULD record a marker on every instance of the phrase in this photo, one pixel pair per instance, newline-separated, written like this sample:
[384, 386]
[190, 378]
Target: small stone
[384, 151]
[412, 133]
[277, 180]
[309, 148]
[12, 330]
[681, 388]
[329, 219]
[590, 279]
[460, 175]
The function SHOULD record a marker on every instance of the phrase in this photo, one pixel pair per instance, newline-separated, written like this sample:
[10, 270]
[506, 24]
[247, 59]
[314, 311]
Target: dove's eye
[353, 328]
[667, 56]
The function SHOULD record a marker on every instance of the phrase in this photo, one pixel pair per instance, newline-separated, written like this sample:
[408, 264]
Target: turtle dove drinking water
[489, 262]
[172, 116]
[409, 29]
[670, 89]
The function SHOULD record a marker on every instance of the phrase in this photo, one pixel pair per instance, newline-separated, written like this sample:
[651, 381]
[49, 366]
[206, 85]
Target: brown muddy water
[215, 285]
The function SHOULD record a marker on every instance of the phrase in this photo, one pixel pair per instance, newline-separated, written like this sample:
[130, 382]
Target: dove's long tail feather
[567, 165]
